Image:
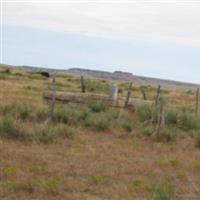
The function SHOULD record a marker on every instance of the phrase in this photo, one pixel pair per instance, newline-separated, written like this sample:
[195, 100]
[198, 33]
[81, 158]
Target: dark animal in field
[46, 74]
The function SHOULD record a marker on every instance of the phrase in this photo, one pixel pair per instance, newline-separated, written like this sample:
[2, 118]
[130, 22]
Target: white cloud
[175, 21]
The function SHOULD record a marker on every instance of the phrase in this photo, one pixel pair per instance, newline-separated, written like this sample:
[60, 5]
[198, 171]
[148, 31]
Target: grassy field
[93, 152]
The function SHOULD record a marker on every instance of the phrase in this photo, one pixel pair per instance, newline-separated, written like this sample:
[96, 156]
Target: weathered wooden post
[114, 93]
[53, 101]
[128, 95]
[144, 94]
[82, 85]
[158, 95]
[161, 120]
[197, 103]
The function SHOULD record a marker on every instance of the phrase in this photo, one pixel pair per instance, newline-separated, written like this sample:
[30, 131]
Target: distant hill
[117, 75]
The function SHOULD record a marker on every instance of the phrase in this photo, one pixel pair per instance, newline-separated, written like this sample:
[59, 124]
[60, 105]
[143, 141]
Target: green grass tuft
[163, 192]
[11, 130]
[127, 126]
[171, 117]
[98, 123]
[187, 121]
[46, 135]
[98, 107]
[144, 113]
[197, 140]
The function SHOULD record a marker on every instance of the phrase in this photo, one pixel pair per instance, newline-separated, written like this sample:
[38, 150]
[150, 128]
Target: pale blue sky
[85, 38]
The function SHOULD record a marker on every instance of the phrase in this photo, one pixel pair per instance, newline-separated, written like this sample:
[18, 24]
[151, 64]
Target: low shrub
[83, 115]
[98, 106]
[19, 110]
[37, 77]
[24, 111]
[197, 140]
[144, 113]
[190, 92]
[46, 135]
[61, 115]
[120, 90]
[2, 76]
[96, 86]
[8, 109]
[163, 192]
[136, 186]
[53, 186]
[10, 171]
[7, 71]
[29, 87]
[187, 121]
[99, 123]
[18, 74]
[27, 187]
[127, 126]
[148, 131]
[42, 114]
[11, 130]
[175, 163]
[113, 113]
[96, 180]
[37, 169]
[66, 132]
[171, 117]
[70, 115]
[169, 135]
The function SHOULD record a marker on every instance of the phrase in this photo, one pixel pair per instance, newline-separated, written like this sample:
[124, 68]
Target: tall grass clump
[66, 132]
[7, 71]
[127, 126]
[169, 135]
[197, 140]
[53, 186]
[163, 192]
[144, 113]
[62, 115]
[171, 117]
[24, 111]
[96, 86]
[21, 186]
[113, 113]
[148, 131]
[83, 115]
[42, 113]
[98, 106]
[187, 121]
[10, 129]
[18, 110]
[98, 123]
[46, 135]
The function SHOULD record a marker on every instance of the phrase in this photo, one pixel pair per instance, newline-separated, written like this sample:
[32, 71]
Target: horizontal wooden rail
[86, 98]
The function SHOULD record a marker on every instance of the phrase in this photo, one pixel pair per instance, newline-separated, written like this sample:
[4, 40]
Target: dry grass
[82, 163]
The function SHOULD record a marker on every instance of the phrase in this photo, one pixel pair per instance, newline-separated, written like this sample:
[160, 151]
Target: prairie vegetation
[95, 151]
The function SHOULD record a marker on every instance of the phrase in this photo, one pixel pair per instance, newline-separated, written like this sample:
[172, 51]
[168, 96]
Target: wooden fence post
[197, 103]
[128, 95]
[114, 93]
[52, 104]
[158, 95]
[144, 94]
[82, 85]
[161, 120]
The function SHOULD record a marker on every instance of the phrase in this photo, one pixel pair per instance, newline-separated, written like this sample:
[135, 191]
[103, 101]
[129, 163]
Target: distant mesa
[116, 75]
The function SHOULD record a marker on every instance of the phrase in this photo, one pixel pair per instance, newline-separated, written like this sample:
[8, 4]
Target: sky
[156, 38]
